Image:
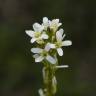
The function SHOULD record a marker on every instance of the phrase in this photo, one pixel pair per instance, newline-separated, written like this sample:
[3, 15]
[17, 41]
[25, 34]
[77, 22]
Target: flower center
[58, 44]
[44, 53]
[54, 26]
[40, 41]
[37, 34]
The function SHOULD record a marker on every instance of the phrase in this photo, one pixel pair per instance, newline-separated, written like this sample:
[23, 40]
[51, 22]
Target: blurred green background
[19, 75]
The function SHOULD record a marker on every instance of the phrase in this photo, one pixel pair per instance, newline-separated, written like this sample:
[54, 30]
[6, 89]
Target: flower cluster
[49, 38]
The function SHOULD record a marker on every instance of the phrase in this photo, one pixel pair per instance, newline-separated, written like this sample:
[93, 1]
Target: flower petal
[33, 40]
[66, 43]
[44, 36]
[62, 31]
[56, 20]
[63, 36]
[59, 24]
[45, 21]
[60, 51]
[37, 27]
[51, 59]
[30, 33]
[36, 56]
[47, 47]
[52, 46]
[59, 35]
[39, 59]
[36, 50]
[50, 22]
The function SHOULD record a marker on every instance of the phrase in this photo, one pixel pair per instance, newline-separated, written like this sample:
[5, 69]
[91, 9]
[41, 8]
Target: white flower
[45, 23]
[54, 24]
[37, 34]
[42, 54]
[59, 43]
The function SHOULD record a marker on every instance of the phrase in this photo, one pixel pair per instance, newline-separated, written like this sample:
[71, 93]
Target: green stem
[50, 88]
[49, 82]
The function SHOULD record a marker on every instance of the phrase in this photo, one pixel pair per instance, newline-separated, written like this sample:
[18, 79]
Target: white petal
[33, 40]
[39, 59]
[50, 22]
[56, 20]
[44, 36]
[36, 50]
[52, 46]
[51, 59]
[47, 47]
[67, 43]
[61, 31]
[45, 20]
[60, 51]
[59, 24]
[37, 27]
[64, 36]
[59, 34]
[30, 33]
[36, 56]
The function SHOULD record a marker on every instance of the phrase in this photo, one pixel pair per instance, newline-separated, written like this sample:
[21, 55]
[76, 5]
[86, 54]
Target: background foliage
[19, 75]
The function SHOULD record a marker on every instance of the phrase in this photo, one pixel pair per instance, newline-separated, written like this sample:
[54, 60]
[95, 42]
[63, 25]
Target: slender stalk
[49, 80]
